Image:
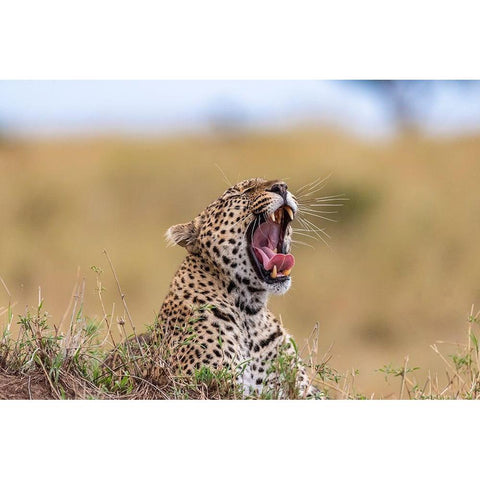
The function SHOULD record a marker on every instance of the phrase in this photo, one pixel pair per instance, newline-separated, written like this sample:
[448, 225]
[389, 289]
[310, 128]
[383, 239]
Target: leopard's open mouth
[267, 246]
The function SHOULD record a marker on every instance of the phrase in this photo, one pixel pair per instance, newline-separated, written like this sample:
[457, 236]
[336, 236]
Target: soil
[24, 387]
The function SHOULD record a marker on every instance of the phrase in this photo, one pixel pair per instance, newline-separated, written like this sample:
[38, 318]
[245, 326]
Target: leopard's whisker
[317, 231]
[227, 181]
[309, 193]
[316, 210]
[321, 200]
[296, 232]
[309, 186]
[314, 227]
[321, 216]
[303, 243]
[240, 220]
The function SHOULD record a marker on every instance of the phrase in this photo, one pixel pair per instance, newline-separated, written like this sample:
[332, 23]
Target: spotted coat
[215, 313]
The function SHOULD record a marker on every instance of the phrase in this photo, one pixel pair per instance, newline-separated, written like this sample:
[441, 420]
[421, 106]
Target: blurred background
[93, 165]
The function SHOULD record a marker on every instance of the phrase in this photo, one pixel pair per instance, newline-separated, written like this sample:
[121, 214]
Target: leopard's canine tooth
[289, 211]
[274, 272]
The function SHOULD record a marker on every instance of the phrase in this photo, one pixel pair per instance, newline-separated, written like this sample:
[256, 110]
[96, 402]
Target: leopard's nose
[280, 188]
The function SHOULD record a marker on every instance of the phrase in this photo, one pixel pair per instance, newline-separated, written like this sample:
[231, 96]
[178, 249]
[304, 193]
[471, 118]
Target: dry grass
[85, 362]
[402, 265]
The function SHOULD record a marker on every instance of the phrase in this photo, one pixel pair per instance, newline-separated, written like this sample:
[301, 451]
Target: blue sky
[46, 108]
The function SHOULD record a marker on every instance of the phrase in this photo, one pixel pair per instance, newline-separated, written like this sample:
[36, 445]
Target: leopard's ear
[184, 234]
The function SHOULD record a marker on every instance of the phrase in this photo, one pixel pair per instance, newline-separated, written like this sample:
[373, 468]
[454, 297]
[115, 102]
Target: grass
[85, 361]
[79, 363]
[462, 370]
[82, 360]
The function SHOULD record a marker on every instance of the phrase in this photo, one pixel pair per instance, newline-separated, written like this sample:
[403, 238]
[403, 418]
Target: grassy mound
[86, 362]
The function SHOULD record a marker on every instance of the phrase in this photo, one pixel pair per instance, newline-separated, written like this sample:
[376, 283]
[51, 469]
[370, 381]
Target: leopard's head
[246, 234]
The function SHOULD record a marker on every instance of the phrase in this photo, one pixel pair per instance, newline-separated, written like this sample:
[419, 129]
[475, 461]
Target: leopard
[215, 314]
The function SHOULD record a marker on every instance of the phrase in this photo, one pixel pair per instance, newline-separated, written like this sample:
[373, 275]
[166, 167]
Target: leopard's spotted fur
[215, 313]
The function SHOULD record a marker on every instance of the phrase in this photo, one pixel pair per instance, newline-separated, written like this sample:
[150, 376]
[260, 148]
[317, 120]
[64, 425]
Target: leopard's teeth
[289, 211]
[287, 272]
[272, 217]
[274, 272]
[279, 216]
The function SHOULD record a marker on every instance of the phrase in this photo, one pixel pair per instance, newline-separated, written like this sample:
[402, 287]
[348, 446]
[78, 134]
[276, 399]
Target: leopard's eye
[237, 193]
[230, 195]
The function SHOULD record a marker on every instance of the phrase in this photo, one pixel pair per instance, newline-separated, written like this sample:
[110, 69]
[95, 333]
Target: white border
[254, 39]
[235, 439]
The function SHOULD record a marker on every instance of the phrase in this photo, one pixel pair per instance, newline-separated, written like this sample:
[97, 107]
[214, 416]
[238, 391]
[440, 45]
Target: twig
[105, 315]
[435, 349]
[70, 301]
[122, 296]
[404, 372]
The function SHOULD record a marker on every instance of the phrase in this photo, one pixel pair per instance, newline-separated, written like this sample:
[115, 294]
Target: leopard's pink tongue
[264, 242]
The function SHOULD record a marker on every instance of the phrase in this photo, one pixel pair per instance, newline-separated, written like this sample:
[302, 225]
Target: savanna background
[93, 166]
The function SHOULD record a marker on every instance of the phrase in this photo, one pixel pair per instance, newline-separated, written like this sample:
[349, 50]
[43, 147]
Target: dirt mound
[24, 387]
